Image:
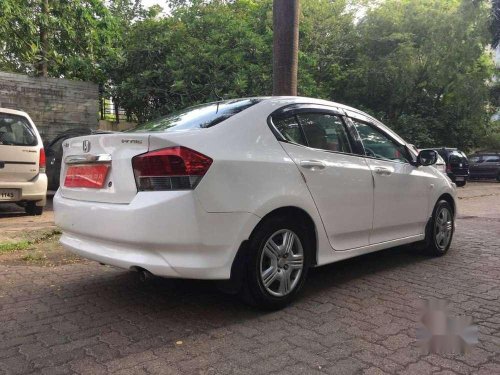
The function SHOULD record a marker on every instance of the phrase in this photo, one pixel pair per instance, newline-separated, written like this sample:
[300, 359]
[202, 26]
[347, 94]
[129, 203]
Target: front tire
[440, 229]
[277, 263]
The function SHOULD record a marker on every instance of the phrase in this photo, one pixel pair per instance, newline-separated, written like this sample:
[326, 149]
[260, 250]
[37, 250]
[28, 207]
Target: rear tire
[32, 209]
[277, 262]
[460, 183]
[440, 229]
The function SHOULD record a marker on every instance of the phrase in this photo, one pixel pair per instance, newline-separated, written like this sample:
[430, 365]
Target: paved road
[357, 316]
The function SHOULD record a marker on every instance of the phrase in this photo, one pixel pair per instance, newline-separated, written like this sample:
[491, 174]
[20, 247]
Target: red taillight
[448, 168]
[173, 168]
[41, 161]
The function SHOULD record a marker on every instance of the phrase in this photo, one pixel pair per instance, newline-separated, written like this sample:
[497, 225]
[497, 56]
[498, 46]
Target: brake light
[173, 168]
[42, 161]
[448, 168]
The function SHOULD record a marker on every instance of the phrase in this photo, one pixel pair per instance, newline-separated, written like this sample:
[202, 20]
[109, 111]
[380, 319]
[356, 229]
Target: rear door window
[16, 131]
[325, 132]
[290, 130]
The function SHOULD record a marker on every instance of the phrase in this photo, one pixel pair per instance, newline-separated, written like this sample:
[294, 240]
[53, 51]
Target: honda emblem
[86, 146]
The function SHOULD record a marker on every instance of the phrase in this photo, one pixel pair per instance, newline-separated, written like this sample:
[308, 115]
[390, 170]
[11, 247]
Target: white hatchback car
[22, 162]
[255, 191]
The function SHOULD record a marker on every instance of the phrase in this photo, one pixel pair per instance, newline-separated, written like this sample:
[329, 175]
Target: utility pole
[44, 41]
[285, 46]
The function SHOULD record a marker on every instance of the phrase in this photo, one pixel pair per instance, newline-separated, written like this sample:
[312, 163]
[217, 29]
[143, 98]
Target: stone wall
[53, 104]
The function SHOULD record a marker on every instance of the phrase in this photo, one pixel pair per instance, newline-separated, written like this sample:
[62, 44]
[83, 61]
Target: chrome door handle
[383, 171]
[312, 164]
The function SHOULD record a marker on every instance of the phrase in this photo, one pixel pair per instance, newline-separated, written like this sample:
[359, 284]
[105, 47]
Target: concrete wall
[54, 104]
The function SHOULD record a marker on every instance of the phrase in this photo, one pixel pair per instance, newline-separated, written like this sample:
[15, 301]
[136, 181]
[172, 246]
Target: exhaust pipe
[145, 275]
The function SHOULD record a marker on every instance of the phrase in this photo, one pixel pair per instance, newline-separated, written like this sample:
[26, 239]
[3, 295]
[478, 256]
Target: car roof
[13, 112]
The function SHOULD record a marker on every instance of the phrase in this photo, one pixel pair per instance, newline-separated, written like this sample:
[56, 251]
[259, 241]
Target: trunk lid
[458, 163]
[114, 150]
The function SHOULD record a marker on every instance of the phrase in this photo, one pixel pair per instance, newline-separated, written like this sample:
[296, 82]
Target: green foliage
[422, 67]
[80, 33]
[198, 53]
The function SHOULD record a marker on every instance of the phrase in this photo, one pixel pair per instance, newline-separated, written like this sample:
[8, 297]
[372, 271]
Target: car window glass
[492, 159]
[474, 159]
[289, 128]
[456, 157]
[378, 145]
[197, 117]
[325, 131]
[16, 131]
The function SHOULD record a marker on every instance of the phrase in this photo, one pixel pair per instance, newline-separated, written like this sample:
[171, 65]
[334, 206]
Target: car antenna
[214, 91]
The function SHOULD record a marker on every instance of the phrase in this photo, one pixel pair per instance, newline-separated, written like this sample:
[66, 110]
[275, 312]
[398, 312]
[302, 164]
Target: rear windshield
[200, 116]
[16, 131]
[456, 156]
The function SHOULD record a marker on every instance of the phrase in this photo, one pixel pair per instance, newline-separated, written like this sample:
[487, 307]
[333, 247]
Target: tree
[198, 53]
[285, 46]
[55, 38]
[423, 67]
[495, 22]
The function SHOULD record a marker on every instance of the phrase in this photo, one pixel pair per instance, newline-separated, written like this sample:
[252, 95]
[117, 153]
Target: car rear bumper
[34, 190]
[459, 176]
[166, 233]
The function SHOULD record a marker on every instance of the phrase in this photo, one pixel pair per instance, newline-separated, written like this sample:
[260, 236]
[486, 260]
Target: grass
[14, 246]
[8, 247]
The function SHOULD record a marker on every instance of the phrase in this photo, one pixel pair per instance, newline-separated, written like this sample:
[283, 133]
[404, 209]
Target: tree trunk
[44, 41]
[285, 46]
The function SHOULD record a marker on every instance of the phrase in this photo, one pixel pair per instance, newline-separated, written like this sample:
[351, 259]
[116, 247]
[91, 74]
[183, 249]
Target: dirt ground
[34, 239]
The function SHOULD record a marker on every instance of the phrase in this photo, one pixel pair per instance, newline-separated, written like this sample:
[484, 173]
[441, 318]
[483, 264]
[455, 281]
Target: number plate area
[91, 176]
[9, 195]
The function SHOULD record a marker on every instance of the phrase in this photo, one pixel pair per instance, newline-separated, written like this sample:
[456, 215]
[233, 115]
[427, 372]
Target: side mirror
[427, 157]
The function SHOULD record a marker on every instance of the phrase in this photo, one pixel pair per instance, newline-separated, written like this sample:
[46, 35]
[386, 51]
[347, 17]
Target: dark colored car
[457, 164]
[485, 165]
[53, 153]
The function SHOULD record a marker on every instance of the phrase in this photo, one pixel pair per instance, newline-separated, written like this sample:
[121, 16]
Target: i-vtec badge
[86, 146]
[132, 141]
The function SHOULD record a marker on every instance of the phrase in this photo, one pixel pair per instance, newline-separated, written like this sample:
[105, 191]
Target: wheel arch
[448, 198]
[285, 211]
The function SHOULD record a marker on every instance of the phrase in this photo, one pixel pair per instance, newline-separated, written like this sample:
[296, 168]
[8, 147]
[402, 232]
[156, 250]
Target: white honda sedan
[255, 191]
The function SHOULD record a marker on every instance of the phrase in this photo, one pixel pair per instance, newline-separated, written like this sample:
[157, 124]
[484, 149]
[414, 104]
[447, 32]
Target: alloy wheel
[281, 263]
[443, 227]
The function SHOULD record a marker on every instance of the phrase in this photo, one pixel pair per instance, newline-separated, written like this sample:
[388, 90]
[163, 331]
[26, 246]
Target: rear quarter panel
[251, 172]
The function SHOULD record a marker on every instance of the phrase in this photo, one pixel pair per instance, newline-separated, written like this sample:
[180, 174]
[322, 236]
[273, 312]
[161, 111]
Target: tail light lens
[42, 161]
[173, 168]
[448, 168]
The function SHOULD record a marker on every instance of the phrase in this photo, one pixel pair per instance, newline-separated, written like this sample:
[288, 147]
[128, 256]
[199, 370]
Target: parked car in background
[54, 152]
[485, 165]
[253, 191]
[22, 162]
[457, 164]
